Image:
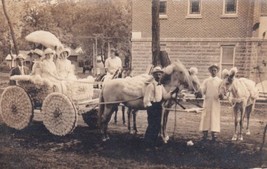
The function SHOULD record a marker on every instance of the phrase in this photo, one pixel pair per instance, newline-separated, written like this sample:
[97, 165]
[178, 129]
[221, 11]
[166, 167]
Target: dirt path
[35, 147]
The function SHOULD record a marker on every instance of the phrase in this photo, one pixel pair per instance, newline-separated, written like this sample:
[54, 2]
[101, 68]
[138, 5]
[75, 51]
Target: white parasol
[45, 38]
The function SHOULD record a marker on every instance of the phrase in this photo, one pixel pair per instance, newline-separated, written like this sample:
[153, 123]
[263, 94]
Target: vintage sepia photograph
[133, 84]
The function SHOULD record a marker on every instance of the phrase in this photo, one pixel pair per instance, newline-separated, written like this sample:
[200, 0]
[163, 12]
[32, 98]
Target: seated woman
[36, 56]
[36, 72]
[49, 71]
[64, 67]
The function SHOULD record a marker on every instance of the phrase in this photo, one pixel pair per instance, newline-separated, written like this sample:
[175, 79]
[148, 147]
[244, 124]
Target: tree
[10, 27]
[155, 33]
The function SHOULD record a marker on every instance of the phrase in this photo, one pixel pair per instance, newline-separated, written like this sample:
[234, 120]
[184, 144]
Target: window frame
[189, 9]
[163, 15]
[233, 46]
[225, 14]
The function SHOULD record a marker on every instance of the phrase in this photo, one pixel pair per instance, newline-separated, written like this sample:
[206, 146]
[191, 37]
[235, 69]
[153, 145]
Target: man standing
[154, 95]
[19, 70]
[210, 118]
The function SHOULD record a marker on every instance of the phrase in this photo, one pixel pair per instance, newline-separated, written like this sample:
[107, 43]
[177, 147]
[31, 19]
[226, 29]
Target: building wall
[212, 24]
[203, 52]
[197, 41]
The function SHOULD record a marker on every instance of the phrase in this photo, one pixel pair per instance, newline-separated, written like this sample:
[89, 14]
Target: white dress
[65, 69]
[210, 117]
[37, 72]
[50, 75]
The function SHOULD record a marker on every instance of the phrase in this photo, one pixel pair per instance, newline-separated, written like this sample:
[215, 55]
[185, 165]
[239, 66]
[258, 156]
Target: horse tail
[101, 107]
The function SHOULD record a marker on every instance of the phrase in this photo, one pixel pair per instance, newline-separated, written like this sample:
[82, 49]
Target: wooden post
[95, 55]
[155, 33]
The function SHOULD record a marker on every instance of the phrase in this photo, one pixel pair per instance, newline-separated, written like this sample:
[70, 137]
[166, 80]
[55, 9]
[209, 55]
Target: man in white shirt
[113, 64]
[154, 95]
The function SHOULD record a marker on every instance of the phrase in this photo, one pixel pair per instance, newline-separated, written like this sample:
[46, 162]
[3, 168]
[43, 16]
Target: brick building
[202, 32]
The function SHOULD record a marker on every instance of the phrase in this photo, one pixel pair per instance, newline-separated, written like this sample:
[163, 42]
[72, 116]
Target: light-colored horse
[242, 94]
[169, 103]
[130, 91]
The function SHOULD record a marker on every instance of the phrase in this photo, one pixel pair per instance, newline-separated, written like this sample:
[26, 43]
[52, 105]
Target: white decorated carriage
[59, 109]
[59, 102]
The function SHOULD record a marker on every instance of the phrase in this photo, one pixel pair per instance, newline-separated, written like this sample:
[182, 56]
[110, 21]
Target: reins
[114, 102]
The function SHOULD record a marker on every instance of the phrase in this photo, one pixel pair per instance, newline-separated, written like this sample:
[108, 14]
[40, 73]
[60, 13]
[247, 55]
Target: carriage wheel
[16, 107]
[91, 118]
[60, 115]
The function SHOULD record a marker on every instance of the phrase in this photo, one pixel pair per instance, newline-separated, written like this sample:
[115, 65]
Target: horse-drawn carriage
[59, 110]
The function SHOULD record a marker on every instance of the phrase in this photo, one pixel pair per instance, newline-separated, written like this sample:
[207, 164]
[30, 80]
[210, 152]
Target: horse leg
[129, 120]
[242, 113]
[134, 121]
[115, 115]
[109, 109]
[248, 112]
[164, 121]
[123, 114]
[234, 138]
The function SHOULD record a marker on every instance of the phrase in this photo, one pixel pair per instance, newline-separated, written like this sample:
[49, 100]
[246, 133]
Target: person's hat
[20, 56]
[49, 51]
[39, 52]
[113, 49]
[214, 65]
[157, 69]
[65, 50]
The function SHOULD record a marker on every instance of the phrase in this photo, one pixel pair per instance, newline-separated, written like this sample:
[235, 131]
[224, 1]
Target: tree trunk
[11, 29]
[155, 33]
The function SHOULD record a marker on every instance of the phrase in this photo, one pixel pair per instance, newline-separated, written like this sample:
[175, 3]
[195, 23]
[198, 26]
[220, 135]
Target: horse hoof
[234, 138]
[248, 132]
[166, 139]
[241, 138]
[105, 139]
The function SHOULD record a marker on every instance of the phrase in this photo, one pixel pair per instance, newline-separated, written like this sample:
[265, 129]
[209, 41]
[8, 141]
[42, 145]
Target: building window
[194, 6]
[163, 9]
[194, 9]
[230, 7]
[227, 57]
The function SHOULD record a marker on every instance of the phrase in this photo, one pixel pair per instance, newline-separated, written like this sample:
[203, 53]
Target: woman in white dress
[37, 54]
[64, 67]
[49, 71]
[36, 73]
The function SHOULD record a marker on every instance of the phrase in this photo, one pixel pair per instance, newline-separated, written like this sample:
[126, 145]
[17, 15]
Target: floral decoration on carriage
[52, 87]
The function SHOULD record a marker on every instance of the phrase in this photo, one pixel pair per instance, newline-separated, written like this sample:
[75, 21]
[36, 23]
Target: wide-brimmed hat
[39, 52]
[49, 51]
[20, 56]
[65, 50]
[157, 69]
[214, 65]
